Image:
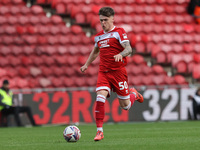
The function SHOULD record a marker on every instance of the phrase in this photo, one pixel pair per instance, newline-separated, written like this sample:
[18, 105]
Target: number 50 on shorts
[123, 85]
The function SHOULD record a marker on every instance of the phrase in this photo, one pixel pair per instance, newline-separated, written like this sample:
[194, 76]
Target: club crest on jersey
[111, 35]
[104, 43]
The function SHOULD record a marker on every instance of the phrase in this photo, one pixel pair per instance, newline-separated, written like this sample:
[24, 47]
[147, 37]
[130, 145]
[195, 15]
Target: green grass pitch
[184, 135]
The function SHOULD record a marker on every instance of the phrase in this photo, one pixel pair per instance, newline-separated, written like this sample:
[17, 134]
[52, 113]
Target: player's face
[106, 22]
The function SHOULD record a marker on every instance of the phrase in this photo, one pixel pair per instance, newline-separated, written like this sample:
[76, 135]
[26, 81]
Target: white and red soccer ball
[72, 134]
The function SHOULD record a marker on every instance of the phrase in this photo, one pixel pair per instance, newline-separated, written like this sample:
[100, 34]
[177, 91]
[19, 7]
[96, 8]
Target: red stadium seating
[41, 51]
[196, 72]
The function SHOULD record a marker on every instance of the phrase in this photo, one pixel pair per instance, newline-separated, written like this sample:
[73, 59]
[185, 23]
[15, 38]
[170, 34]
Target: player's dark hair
[106, 11]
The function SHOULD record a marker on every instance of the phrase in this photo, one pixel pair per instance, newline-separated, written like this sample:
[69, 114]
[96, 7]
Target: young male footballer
[112, 45]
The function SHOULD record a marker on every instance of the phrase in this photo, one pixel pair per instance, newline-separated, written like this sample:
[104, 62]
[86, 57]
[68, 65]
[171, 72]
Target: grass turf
[134, 136]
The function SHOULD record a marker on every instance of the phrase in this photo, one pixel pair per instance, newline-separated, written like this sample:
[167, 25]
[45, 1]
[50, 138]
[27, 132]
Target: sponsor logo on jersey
[104, 43]
[124, 36]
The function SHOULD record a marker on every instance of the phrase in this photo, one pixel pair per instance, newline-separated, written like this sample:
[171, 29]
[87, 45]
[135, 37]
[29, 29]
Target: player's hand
[118, 57]
[83, 68]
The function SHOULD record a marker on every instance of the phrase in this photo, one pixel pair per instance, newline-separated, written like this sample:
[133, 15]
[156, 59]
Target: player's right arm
[93, 55]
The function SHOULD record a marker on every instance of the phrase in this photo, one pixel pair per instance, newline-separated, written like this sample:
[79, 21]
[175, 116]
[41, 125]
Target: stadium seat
[69, 82]
[92, 71]
[41, 2]
[158, 79]
[32, 41]
[140, 47]
[146, 70]
[60, 8]
[21, 83]
[37, 10]
[136, 69]
[16, 50]
[80, 18]
[33, 83]
[196, 72]
[14, 61]
[61, 60]
[179, 79]
[91, 81]
[46, 71]
[3, 72]
[57, 82]
[147, 80]
[56, 20]
[135, 80]
[49, 61]
[196, 58]
[23, 72]
[58, 71]
[12, 72]
[34, 71]
[37, 61]
[80, 81]
[5, 50]
[169, 80]
[161, 57]
[28, 50]
[157, 69]
[181, 67]
[138, 59]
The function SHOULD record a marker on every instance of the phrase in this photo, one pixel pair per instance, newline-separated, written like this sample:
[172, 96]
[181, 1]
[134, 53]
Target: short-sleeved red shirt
[109, 44]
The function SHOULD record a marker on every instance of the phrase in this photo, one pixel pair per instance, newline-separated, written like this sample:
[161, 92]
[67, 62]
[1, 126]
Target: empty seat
[157, 69]
[169, 80]
[47, 71]
[135, 80]
[58, 71]
[146, 70]
[158, 79]
[57, 82]
[60, 8]
[23, 72]
[147, 80]
[3, 72]
[161, 57]
[80, 81]
[12, 72]
[56, 20]
[21, 83]
[91, 81]
[34, 83]
[37, 61]
[34, 71]
[138, 59]
[37, 10]
[69, 82]
[196, 72]
[181, 67]
[136, 70]
[179, 79]
[44, 82]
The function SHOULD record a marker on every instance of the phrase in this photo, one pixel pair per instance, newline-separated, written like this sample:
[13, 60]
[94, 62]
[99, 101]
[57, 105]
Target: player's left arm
[127, 51]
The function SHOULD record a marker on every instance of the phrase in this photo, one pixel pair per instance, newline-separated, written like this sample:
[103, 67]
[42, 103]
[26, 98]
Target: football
[72, 134]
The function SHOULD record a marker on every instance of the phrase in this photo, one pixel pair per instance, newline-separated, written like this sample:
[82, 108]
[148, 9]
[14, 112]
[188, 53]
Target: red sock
[132, 99]
[100, 110]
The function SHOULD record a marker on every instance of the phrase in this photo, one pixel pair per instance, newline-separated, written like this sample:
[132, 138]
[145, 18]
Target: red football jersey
[109, 44]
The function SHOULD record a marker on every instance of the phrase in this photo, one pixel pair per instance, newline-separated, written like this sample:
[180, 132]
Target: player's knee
[102, 92]
[125, 105]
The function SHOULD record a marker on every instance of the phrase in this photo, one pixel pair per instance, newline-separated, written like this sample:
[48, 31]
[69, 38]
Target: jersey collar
[110, 30]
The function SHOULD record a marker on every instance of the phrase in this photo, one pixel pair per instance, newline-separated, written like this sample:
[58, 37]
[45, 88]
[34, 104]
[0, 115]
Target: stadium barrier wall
[74, 105]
